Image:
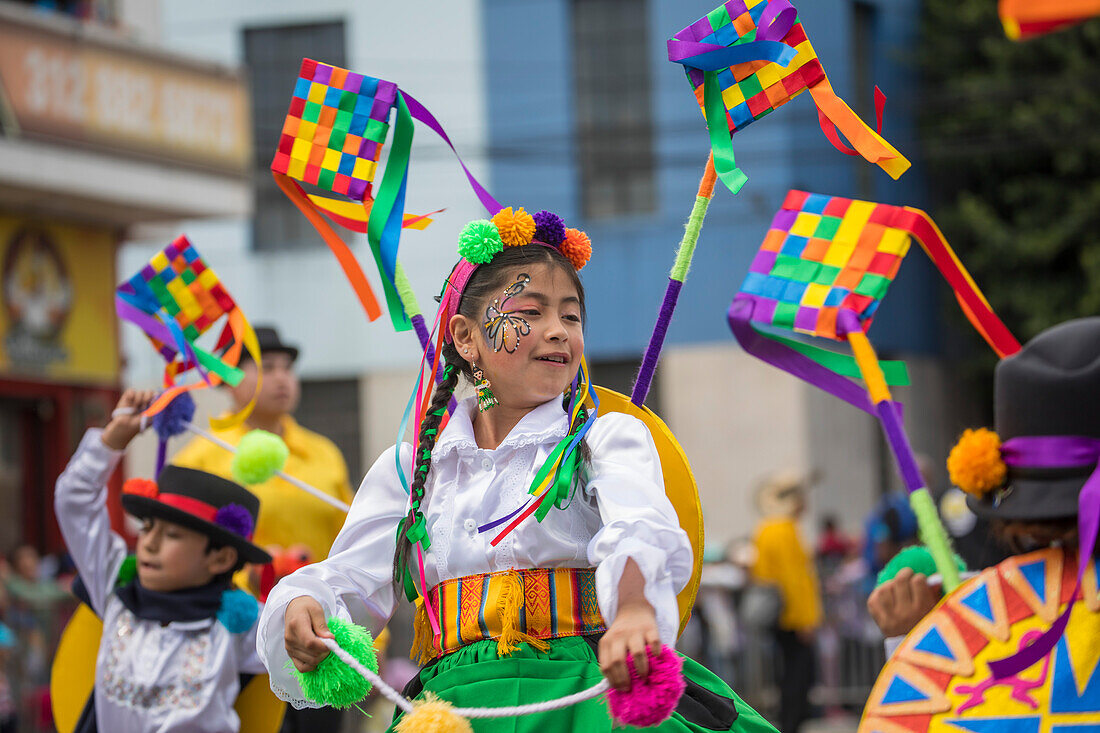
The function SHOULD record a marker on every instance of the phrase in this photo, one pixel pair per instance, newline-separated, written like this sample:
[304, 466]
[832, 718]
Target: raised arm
[80, 498]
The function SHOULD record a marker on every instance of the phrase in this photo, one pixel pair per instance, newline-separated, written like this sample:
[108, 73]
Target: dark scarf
[189, 604]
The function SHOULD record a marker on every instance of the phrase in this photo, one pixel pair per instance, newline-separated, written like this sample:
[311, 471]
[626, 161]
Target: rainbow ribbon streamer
[823, 269]
[744, 59]
[332, 138]
[1026, 19]
[176, 298]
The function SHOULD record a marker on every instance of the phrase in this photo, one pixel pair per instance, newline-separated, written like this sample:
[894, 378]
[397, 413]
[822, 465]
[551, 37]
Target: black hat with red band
[216, 507]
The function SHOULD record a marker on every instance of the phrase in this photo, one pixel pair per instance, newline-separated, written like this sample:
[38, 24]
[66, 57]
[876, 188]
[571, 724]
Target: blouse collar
[545, 422]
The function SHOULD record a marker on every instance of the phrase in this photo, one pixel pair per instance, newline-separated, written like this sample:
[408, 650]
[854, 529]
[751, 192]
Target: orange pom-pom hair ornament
[516, 228]
[577, 247]
[975, 464]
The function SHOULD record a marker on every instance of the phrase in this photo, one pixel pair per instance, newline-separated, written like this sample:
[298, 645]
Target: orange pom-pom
[516, 228]
[141, 487]
[975, 464]
[577, 247]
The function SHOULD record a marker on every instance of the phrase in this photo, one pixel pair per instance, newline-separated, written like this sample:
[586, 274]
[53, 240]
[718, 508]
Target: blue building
[587, 117]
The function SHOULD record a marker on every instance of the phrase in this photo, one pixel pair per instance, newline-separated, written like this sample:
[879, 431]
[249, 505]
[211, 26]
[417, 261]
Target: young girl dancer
[528, 608]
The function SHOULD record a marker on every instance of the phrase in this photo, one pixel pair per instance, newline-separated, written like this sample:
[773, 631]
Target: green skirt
[475, 676]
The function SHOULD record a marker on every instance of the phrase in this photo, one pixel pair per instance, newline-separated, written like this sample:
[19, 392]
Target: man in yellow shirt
[288, 515]
[783, 561]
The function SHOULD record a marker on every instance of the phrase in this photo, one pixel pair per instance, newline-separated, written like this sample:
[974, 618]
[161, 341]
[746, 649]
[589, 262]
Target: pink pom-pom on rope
[650, 701]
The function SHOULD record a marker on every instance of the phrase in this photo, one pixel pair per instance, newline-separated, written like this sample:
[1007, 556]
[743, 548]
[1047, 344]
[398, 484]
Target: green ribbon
[391, 189]
[230, 375]
[418, 532]
[896, 373]
[721, 142]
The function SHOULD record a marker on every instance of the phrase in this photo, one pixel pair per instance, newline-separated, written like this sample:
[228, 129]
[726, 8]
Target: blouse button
[487, 464]
[470, 526]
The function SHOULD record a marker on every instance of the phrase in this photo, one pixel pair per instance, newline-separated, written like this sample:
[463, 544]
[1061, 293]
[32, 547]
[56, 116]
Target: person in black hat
[177, 637]
[289, 517]
[1036, 477]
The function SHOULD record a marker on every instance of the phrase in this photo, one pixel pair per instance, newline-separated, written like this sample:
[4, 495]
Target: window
[273, 57]
[331, 407]
[614, 111]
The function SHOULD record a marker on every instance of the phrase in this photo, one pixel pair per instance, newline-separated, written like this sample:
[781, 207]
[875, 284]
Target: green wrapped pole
[675, 282]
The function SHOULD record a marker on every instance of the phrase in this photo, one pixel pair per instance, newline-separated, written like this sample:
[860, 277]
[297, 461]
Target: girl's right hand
[305, 626]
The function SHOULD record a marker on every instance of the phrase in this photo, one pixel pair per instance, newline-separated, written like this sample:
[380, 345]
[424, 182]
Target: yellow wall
[57, 315]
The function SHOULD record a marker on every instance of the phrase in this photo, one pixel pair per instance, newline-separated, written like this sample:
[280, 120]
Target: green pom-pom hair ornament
[260, 455]
[333, 682]
[479, 241]
[918, 558]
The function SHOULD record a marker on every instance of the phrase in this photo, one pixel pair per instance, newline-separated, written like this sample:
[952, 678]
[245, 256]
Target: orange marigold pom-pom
[577, 247]
[141, 487]
[975, 463]
[516, 228]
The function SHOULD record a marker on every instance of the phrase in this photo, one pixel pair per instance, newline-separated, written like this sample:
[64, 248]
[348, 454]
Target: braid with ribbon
[413, 524]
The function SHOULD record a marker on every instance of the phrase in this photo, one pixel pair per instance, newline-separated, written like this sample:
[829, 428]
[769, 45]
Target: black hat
[270, 343]
[1051, 387]
[218, 508]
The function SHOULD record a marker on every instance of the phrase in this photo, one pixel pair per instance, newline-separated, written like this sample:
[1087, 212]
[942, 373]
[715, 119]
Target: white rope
[508, 712]
[316, 493]
[124, 411]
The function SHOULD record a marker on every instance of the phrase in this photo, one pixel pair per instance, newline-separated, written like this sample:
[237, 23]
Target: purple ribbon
[790, 361]
[420, 112]
[1057, 451]
[774, 25]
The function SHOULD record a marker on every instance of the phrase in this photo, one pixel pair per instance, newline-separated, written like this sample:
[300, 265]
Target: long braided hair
[486, 281]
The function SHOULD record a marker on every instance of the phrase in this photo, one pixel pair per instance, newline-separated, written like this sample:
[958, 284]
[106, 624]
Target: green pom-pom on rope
[260, 455]
[334, 683]
[918, 558]
[479, 241]
[126, 571]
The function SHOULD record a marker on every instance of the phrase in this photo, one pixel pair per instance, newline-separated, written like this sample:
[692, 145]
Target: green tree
[1011, 137]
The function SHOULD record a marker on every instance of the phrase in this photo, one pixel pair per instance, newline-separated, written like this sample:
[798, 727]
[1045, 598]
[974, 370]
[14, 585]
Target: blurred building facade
[100, 131]
[572, 106]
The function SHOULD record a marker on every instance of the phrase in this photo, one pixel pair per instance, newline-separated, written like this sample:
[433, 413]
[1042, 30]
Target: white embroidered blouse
[620, 512]
[150, 678]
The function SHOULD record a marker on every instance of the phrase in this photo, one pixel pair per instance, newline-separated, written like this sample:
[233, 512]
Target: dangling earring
[486, 400]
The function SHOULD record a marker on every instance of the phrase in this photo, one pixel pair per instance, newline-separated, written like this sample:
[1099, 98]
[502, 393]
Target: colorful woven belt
[512, 606]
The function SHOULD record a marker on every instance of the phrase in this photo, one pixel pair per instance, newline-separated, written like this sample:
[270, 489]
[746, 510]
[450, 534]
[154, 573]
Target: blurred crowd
[785, 622]
[35, 605]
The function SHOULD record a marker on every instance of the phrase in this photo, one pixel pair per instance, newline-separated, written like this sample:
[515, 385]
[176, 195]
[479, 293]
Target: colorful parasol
[747, 57]
[823, 269]
[333, 136]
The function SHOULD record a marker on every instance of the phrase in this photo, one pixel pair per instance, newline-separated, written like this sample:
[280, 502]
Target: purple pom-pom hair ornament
[171, 421]
[549, 228]
[650, 701]
[236, 519]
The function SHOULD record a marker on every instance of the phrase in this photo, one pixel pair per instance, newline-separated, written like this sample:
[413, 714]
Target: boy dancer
[176, 636]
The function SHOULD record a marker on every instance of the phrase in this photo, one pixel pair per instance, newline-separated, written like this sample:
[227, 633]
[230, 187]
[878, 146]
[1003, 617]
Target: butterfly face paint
[503, 327]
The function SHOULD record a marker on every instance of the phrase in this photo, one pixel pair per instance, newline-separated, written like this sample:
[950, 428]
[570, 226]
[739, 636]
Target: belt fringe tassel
[510, 605]
[423, 647]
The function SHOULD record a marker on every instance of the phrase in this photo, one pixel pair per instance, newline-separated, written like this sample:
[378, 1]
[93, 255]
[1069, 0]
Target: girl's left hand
[633, 632]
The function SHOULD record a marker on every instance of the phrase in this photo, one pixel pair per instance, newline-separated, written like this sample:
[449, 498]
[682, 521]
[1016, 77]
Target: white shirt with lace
[621, 512]
[150, 677]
